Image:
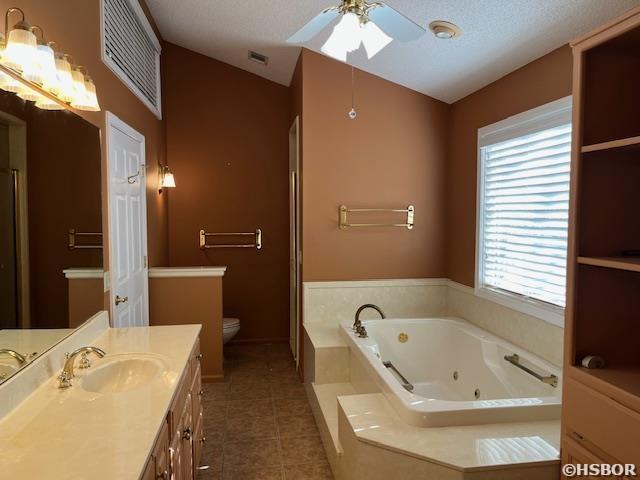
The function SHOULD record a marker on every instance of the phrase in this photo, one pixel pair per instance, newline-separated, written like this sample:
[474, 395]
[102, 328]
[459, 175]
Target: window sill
[548, 313]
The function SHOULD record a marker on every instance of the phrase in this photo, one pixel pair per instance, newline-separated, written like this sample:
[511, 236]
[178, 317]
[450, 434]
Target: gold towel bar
[257, 244]
[410, 210]
[72, 240]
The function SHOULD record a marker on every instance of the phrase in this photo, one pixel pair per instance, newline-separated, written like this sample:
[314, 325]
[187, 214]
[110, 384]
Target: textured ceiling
[498, 36]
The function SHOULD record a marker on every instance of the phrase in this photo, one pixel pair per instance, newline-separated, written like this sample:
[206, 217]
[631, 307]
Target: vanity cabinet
[178, 447]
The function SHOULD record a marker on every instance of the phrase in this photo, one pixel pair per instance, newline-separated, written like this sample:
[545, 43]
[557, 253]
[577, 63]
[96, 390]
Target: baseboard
[259, 340]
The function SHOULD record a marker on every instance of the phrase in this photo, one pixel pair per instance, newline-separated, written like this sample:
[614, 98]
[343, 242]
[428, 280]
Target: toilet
[230, 326]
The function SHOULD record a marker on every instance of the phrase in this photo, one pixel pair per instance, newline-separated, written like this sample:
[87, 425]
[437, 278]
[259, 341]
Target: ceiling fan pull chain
[352, 113]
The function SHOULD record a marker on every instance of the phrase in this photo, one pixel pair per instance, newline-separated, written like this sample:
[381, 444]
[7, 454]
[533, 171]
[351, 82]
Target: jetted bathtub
[439, 372]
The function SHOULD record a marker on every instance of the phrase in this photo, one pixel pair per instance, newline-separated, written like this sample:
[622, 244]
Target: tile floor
[258, 424]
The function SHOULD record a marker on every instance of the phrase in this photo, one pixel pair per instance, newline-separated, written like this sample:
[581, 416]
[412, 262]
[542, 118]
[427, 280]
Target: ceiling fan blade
[314, 26]
[396, 25]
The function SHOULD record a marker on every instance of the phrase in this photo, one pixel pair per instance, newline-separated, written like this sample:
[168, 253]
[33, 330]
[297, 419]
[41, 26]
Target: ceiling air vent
[258, 58]
[131, 50]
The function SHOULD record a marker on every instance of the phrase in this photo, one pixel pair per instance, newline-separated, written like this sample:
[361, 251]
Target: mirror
[51, 263]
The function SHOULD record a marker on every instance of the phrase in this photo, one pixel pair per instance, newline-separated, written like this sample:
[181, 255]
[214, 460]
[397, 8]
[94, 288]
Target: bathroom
[277, 254]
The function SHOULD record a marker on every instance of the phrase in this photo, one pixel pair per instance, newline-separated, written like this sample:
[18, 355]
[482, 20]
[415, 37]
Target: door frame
[18, 161]
[113, 122]
[295, 252]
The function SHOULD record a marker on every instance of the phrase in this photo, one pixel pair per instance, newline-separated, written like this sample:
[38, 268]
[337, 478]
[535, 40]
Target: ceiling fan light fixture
[444, 30]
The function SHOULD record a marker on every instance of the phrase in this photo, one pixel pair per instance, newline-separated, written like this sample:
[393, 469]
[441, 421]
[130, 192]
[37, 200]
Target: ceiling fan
[373, 25]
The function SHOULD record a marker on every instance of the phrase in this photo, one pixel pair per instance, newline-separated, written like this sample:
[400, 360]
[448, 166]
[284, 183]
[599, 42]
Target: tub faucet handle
[358, 323]
[362, 332]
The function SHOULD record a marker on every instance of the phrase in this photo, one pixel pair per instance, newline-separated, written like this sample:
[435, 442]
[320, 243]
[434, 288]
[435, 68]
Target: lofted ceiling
[498, 36]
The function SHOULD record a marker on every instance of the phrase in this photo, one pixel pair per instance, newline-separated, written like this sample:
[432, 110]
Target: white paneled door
[127, 225]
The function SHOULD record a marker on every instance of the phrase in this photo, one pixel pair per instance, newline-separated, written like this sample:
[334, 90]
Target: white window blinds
[524, 202]
[131, 50]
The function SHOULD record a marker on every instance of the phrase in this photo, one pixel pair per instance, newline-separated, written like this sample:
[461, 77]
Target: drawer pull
[199, 356]
[187, 433]
[203, 440]
[163, 476]
[201, 392]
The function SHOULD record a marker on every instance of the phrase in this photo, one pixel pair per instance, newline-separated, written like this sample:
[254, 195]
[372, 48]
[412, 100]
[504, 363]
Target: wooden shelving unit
[603, 294]
[632, 142]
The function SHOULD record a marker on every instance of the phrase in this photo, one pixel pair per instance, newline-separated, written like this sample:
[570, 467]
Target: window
[131, 50]
[523, 206]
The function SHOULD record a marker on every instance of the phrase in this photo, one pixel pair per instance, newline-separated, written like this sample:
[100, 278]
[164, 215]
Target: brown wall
[193, 301]
[391, 156]
[539, 82]
[75, 25]
[85, 299]
[227, 144]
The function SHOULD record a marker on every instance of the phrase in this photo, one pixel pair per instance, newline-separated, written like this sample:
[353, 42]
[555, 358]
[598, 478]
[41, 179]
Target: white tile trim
[407, 282]
[186, 272]
[77, 273]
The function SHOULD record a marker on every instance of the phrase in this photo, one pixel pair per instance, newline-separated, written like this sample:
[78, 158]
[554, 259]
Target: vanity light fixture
[33, 69]
[165, 178]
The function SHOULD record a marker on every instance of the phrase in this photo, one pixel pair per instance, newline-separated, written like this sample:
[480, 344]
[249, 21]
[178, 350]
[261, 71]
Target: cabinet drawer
[602, 422]
[575, 454]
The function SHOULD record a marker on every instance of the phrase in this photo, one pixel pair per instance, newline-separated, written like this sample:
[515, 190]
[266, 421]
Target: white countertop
[75, 434]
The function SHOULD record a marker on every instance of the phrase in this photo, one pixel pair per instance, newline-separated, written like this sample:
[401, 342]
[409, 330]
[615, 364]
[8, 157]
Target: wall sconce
[31, 68]
[165, 178]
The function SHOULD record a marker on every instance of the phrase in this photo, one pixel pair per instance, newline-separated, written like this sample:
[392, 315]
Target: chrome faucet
[20, 358]
[64, 379]
[357, 325]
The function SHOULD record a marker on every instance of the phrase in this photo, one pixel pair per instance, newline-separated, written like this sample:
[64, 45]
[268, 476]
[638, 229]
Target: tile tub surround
[258, 424]
[74, 433]
[330, 303]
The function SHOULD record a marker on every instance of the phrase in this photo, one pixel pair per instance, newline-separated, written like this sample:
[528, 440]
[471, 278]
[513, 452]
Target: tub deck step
[324, 403]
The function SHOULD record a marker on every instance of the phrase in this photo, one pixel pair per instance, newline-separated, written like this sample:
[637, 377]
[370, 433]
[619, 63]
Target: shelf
[631, 264]
[621, 384]
[621, 143]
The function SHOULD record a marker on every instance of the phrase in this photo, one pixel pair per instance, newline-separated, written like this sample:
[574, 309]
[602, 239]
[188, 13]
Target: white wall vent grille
[132, 50]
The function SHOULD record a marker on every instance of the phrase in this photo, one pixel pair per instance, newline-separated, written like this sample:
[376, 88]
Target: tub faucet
[358, 324]
[64, 379]
[20, 358]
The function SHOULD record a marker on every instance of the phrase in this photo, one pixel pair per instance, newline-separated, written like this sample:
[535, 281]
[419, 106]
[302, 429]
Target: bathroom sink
[123, 373]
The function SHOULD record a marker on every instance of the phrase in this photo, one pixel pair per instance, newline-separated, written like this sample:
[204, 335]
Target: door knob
[120, 299]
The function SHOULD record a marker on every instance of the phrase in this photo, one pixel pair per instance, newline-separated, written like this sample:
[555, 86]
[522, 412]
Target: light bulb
[88, 101]
[29, 95]
[20, 52]
[63, 67]
[168, 181]
[46, 103]
[47, 64]
[374, 39]
[345, 38]
[9, 84]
